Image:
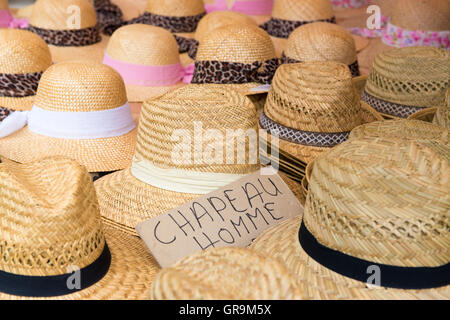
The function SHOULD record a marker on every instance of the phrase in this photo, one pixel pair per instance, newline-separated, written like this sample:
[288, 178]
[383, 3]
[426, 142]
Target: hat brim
[141, 94]
[98, 155]
[20, 104]
[318, 282]
[426, 115]
[126, 201]
[94, 52]
[129, 277]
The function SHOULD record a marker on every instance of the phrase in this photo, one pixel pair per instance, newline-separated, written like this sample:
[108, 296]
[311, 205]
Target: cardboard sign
[231, 216]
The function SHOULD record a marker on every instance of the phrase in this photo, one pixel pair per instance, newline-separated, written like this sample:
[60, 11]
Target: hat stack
[258, 10]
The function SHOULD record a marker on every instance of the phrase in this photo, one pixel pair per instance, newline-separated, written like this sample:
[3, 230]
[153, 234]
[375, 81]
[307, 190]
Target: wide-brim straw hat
[439, 116]
[403, 81]
[72, 90]
[322, 41]
[313, 106]
[52, 20]
[147, 59]
[24, 56]
[128, 197]
[225, 274]
[287, 15]
[57, 227]
[258, 10]
[376, 213]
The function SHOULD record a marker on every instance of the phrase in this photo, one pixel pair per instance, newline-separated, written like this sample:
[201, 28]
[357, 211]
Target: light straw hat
[241, 55]
[24, 56]
[81, 112]
[376, 214]
[322, 41]
[288, 15]
[70, 29]
[403, 81]
[147, 59]
[50, 226]
[313, 106]
[225, 274]
[258, 10]
[439, 116]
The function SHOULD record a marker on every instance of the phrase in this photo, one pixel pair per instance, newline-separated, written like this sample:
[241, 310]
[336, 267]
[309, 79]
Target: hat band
[187, 45]
[4, 112]
[395, 36]
[252, 8]
[170, 23]
[53, 286]
[69, 38]
[283, 28]
[109, 16]
[306, 138]
[177, 180]
[389, 108]
[349, 3]
[150, 76]
[355, 268]
[354, 67]
[221, 72]
[19, 85]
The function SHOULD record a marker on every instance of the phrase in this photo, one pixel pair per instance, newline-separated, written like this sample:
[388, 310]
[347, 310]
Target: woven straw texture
[50, 220]
[144, 45]
[259, 19]
[225, 274]
[384, 200]
[442, 117]
[321, 41]
[176, 8]
[302, 10]
[76, 86]
[426, 114]
[412, 76]
[22, 52]
[430, 15]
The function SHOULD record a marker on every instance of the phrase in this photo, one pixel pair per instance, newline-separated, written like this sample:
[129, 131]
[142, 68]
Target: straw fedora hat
[403, 81]
[50, 226]
[321, 41]
[258, 10]
[70, 29]
[24, 56]
[147, 59]
[311, 107]
[81, 111]
[225, 274]
[150, 187]
[439, 116]
[288, 15]
[239, 55]
[376, 214]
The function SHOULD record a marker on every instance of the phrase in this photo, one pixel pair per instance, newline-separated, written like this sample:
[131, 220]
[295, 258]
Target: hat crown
[217, 19]
[144, 45]
[314, 97]
[50, 220]
[80, 86]
[412, 76]
[321, 41]
[302, 10]
[23, 52]
[168, 123]
[236, 43]
[430, 15]
[63, 14]
[176, 8]
[383, 200]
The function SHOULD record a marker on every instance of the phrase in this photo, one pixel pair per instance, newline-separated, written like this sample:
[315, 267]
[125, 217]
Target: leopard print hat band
[109, 16]
[171, 23]
[19, 85]
[69, 38]
[283, 28]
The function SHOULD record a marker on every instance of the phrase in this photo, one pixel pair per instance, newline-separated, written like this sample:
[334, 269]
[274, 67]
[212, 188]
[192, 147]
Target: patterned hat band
[220, 72]
[389, 108]
[69, 38]
[19, 85]
[187, 45]
[4, 113]
[306, 138]
[109, 16]
[170, 23]
[283, 28]
[354, 67]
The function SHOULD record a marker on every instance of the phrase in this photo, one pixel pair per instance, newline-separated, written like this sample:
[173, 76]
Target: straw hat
[242, 55]
[406, 80]
[225, 274]
[376, 213]
[50, 223]
[23, 58]
[147, 58]
[322, 41]
[313, 106]
[258, 10]
[52, 20]
[80, 112]
[287, 15]
[442, 117]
